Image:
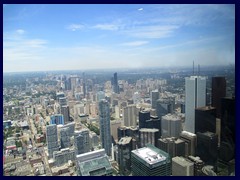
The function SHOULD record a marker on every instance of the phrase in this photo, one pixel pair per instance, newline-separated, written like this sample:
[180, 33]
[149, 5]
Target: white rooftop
[149, 156]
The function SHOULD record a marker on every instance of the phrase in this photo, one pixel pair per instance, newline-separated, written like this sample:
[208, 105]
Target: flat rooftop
[149, 155]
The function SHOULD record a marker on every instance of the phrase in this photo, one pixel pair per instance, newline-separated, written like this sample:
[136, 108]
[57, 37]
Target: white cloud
[140, 9]
[75, 27]
[110, 27]
[135, 43]
[18, 49]
[20, 31]
[152, 32]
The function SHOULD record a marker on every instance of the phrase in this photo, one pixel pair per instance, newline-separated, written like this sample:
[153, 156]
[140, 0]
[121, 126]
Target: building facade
[195, 89]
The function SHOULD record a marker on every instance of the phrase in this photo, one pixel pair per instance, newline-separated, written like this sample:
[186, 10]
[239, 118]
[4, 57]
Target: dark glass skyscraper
[205, 119]
[227, 146]
[207, 143]
[115, 83]
[218, 92]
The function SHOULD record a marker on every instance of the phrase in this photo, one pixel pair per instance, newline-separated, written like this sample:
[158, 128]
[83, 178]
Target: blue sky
[41, 37]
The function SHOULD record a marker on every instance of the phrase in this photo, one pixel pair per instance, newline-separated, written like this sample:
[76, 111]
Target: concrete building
[182, 167]
[190, 140]
[94, 140]
[195, 89]
[130, 115]
[148, 136]
[150, 161]
[114, 126]
[171, 126]
[174, 147]
[93, 163]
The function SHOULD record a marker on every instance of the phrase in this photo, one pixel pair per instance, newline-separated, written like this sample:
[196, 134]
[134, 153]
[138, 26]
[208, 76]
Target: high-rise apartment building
[218, 92]
[150, 161]
[82, 141]
[104, 124]
[71, 127]
[195, 89]
[64, 137]
[130, 115]
[52, 139]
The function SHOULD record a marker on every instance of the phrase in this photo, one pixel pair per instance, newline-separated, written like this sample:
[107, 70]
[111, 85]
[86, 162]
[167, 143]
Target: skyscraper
[104, 121]
[115, 83]
[154, 98]
[130, 115]
[228, 126]
[195, 89]
[205, 119]
[218, 92]
[52, 139]
[207, 147]
[143, 117]
[65, 113]
[150, 161]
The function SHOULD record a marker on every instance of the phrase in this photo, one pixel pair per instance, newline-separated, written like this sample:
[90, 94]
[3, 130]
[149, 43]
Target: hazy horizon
[51, 37]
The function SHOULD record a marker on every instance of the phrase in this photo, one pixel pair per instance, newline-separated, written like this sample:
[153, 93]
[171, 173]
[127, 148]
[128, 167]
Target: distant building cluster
[95, 125]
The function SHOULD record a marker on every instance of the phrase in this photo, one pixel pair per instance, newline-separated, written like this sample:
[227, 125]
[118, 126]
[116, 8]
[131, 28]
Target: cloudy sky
[71, 37]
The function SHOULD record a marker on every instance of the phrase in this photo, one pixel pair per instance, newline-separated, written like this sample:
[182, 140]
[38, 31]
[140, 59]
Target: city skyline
[42, 37]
